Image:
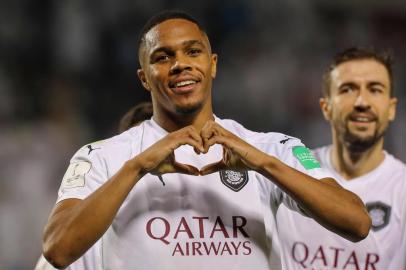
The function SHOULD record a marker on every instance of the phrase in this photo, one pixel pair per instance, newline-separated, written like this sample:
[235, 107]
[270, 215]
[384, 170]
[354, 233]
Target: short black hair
[161, 17]
[385, 57]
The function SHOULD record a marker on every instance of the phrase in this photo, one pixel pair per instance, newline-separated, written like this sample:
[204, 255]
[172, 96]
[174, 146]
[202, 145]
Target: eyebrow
[187, 43]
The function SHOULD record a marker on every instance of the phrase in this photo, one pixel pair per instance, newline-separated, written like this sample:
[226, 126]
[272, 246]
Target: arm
[75, 225]
[335, 208]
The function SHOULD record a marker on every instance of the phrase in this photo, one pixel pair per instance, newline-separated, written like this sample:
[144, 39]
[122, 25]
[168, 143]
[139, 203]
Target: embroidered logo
[234, 180]
[379, 213]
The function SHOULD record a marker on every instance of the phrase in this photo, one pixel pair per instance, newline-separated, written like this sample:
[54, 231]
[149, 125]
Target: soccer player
[359, 104]
[186, 189]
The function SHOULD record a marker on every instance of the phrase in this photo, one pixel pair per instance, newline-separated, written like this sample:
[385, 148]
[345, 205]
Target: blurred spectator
[135, 115]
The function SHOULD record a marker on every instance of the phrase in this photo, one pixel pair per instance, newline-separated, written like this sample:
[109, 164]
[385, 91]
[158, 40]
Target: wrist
[268, 165]
[135, 169]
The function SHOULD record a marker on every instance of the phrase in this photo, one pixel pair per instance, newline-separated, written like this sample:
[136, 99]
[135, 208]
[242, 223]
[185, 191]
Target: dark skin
[177, 67]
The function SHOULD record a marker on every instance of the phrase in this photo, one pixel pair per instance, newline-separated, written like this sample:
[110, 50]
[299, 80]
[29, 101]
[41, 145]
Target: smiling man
[359, 104]
[187, 190]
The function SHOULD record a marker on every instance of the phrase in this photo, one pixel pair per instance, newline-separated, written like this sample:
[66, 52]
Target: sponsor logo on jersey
[75, 174]
[322, 257]
[379, 213]
[305, 157]
[234, 180]
[201, 236]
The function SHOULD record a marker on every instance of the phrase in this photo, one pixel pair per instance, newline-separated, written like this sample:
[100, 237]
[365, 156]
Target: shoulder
[255, 136]
[395, 162]
[270, 142]
[118, 145]
[396, 167]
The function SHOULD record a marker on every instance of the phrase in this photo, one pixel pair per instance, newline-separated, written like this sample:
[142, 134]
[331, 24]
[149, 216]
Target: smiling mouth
[362, 119]
[185, 86]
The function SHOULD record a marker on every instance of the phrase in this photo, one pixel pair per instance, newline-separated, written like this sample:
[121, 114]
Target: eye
[346, 89]
[161, 58]
[194, 52]
[376, 90]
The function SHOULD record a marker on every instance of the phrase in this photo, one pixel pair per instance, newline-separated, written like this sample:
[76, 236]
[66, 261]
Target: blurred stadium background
[68, 73]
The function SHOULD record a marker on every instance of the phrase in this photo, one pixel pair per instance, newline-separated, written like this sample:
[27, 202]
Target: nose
[362, 101]
[180, 64]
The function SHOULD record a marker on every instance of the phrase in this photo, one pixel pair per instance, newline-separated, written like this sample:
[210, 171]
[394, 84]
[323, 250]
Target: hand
[160, 159]
[238, 155]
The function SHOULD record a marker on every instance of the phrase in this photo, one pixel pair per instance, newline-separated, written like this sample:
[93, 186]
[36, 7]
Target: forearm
[335, 208]
[74, 228]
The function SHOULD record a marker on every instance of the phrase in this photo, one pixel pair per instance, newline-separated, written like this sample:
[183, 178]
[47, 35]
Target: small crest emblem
[379, 213]
[234, 180]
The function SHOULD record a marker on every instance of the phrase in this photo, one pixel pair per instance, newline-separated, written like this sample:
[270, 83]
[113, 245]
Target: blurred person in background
[135, 115]
[359, 104]
[115, 189]
[92, 258]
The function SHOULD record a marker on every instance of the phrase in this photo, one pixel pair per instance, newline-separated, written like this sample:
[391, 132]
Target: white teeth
[183, 83]
[362, 119]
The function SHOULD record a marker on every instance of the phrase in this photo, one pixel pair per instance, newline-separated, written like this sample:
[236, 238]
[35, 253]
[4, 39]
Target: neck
[351, 165]
[173, 121]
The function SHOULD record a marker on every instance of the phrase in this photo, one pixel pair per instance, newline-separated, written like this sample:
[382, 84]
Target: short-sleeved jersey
[307, 245]
[222, 220]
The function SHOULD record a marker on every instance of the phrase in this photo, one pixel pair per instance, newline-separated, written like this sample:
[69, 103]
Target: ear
[143, 79]
[392, 108]
[213, 65]
[325, 108]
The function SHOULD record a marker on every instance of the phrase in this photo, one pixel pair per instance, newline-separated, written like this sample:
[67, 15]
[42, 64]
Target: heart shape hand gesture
[238, 155]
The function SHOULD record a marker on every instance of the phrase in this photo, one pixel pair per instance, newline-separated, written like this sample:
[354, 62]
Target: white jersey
[222, 220]
[307, 245]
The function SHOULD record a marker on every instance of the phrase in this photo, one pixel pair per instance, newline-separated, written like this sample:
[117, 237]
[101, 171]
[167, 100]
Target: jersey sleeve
[296, 155]
[85, 173]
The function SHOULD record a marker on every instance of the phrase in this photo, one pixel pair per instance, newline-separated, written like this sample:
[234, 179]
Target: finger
[207, 132]
[197, 145]
[216, 139]
[187, 135]
[198, 139]
[185, 169]
[212, 168]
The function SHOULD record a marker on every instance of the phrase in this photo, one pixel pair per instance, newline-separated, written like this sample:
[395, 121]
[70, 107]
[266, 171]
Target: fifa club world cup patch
[379, 213]
[305, 157]
[75, 174]
[234, 180]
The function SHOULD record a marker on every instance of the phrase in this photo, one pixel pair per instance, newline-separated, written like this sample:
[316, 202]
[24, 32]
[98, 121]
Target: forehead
[362, 70]
[173, 32]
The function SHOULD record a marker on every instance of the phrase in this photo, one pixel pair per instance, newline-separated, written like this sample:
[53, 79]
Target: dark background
[68, 73]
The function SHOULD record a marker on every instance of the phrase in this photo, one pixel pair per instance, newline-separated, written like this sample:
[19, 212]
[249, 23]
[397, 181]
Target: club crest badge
[234, 180]
[379, 213]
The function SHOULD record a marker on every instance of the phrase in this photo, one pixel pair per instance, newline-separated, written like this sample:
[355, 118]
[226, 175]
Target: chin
[189, 109]
[358, 143]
